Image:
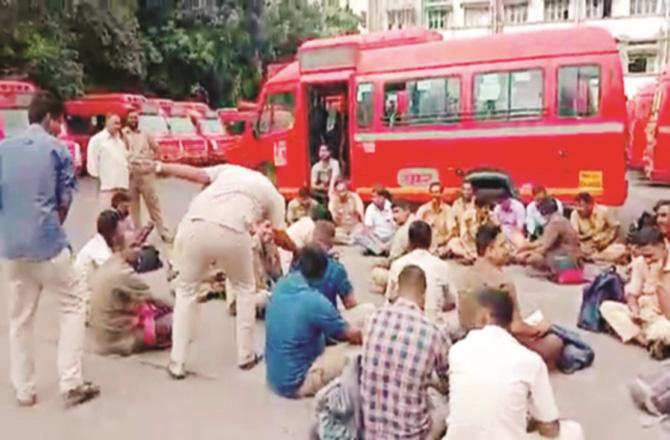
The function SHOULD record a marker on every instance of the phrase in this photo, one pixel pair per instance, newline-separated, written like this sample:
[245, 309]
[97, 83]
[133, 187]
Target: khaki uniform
[440, 220]
[214, 236]
[348, 215]
[297, 210]
[464, 246]
[143, 184]
[598, 234]
[458, 210]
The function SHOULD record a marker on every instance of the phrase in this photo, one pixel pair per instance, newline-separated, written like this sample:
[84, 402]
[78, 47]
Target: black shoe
[82, 394]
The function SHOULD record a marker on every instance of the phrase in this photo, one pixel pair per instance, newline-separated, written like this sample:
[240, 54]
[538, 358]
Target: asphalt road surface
[220, 402]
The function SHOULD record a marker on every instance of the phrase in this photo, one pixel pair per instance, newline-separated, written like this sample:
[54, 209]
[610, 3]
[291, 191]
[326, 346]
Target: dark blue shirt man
[298, 320]
[36, 188]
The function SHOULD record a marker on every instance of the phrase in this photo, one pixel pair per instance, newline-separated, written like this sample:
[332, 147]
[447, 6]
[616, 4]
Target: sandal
[252, 363]
[82, 394]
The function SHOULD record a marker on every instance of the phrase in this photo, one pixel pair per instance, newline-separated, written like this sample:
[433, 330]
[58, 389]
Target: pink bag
[570, 276]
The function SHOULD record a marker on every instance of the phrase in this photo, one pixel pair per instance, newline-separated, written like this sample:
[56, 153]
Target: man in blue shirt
[36, 188]
[298, 320]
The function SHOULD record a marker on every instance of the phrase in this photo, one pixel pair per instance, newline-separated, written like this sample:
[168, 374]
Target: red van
[182, 128]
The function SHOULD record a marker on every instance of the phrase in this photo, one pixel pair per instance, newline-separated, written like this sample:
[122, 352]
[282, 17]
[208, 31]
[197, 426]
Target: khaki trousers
[379, 277]
[328, 366]
[654, 327]
[357, 316]
[202, 248]
[144, 187]
[27, 280]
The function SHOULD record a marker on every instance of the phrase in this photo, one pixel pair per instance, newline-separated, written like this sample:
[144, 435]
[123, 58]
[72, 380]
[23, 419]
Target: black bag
[608, 286]
[148, 260]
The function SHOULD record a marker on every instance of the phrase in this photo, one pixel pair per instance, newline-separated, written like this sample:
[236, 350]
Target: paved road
[139, 401]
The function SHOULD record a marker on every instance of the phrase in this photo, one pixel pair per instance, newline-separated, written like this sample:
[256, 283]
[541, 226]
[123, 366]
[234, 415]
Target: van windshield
[212, 126]
[154, 124]
[15, 121]
[181, 125]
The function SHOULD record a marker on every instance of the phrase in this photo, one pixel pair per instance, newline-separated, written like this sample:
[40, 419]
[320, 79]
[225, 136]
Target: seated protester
[298, 321]
[402, 216]
[300, 206]
[132, 235]
[301, 233]
[558, 249]
[497, 387]
[488, 272]
[645, 317]
[439, 216]
[126, 315]
[325, 173]
[464, 202]
[597, 230]
[662, 217]
[437, 274]
[535, 222]
[464, 247]
[511, 216]
[402, 350]
[346, 207]
[379, 228]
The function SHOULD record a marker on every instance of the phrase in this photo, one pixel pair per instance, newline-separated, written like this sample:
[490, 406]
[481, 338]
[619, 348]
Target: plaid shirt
[401, 350]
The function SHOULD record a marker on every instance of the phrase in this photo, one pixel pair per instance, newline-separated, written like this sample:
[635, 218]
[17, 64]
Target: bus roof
[489, 49]
[376, 39]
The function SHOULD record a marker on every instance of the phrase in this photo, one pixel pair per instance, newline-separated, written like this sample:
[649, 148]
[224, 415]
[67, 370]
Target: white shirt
[495, 382]
[107, 159]
[437, 279]
[326, 173]
[514, 218]
[93, 255]
[380, 221]
[534, 219]
[238, 198]
[302, 231]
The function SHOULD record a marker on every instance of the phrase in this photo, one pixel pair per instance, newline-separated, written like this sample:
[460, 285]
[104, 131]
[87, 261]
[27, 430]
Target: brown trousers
[144, 186]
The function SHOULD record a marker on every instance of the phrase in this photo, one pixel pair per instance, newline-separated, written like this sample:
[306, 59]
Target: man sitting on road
[498, 389]
[464, 202]
[346, 207]
[437, 274]
[403, 218]
[299, 320]
[535, 222]
[402, 349]
[379, 228]
[464, 247]
[488, 272]
[439, 216]
[325, 173]
[121, 203]
[511, 216]
[300, 206]
[598, 231]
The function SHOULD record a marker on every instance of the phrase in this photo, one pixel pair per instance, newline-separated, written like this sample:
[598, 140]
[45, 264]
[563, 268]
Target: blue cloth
[576, 354]
[608, 286]
[298, 319]
[334, 283]
[36, 181]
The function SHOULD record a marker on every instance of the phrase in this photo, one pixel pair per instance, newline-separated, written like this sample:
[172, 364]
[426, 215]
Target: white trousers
[27, 280]
[202, 249]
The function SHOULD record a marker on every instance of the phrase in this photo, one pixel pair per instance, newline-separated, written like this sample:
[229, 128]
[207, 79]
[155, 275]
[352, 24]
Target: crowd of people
[436, 356]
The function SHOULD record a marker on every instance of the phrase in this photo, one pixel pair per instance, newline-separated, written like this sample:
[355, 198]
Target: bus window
[508, 95]
[79, 124]
[422, 101]
[278, 113]
[578, 91]
[364, 108]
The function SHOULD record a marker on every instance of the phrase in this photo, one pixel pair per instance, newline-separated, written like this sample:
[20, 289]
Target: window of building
[643, 7]
[516, 13]
[578, 91]
[477, 16]
[422, 101]
[642, 62]
[438, 14]
[278, 113]
[509, 95]
[401, 18]
[364, 105]
[597, 9]
[556, 10]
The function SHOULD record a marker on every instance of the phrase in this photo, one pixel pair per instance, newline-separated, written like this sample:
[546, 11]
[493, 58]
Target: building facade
[640, 26]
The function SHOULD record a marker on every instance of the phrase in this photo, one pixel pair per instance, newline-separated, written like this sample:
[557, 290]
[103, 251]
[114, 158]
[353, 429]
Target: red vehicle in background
[235, 121]
[657, 154]
[182, 129]
[639, 110]
[15, 97]
[498, 109]
[211, 128]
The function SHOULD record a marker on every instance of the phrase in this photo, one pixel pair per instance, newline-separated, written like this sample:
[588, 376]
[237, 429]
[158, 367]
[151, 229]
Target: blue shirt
[297, 320]
[36, 181]
[335, 281]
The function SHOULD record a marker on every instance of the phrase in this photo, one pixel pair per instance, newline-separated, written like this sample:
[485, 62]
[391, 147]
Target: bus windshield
[154, 124]
[15, 121]
[212, 126]
[181, 125]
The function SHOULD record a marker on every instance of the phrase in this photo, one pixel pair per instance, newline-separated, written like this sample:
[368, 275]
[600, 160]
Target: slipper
[252, 363]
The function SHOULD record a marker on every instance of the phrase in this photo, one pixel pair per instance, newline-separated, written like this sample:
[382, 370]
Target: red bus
[209, 127]
[507, 107]
[235, 122]
[657, 155]
[639, 109]
[194, 147]
[15, 97]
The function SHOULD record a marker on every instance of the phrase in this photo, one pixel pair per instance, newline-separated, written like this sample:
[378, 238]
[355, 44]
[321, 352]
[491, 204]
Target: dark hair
[486, 236]
[120, 196]
[420, 235]
[45, 103]
[435, 183]
[499, 303]
[410, 276]
[482, 202]
[304, 192]
[661, 203]
[537, 189]
[400, 204]
[319, 212]
[547, 206]
[108, 221]
[584, 197]
[313, 262]
[379, 190]
[646, 236]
